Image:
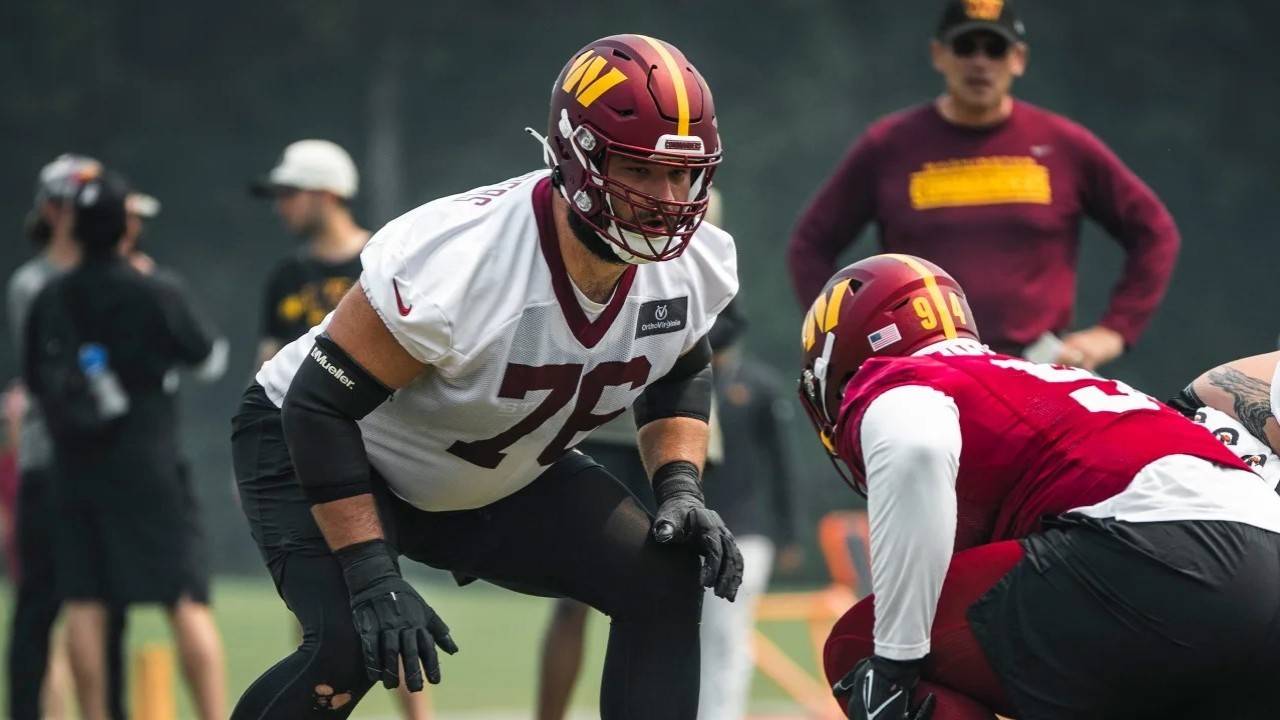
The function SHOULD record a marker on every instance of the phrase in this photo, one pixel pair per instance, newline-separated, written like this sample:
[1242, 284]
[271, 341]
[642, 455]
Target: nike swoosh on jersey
[404, 309]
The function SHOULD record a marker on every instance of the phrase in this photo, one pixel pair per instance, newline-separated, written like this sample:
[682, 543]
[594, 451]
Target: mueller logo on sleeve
[663, 316]
[338, 373]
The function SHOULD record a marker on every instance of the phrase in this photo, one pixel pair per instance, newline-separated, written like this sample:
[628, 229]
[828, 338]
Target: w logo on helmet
[590, 84]
[825, 313]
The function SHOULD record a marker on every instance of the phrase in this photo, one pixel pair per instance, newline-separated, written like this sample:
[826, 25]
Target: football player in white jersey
[434, 413]
[1239, 402]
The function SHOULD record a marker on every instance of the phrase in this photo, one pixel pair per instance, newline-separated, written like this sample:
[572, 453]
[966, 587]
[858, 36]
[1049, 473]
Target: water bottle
[105, 387]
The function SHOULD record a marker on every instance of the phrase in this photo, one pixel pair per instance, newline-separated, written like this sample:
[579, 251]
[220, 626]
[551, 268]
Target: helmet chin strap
[820, 367]
[548, 157]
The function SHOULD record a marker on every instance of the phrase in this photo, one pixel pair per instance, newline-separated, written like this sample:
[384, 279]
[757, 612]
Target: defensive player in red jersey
[1045, 543]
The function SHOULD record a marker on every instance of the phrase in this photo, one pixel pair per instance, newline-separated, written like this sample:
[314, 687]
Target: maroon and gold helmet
[885, 305]
[634, 96]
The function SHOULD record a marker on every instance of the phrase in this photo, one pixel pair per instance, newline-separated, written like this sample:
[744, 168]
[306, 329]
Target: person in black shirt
[311, 186]
[36, 671]
[199, 641]
[121, 538]
[753, 488]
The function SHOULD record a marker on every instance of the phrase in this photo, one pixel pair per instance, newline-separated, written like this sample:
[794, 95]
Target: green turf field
[498, 633]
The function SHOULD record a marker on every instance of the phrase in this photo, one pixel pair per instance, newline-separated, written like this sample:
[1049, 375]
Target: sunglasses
[993, 46]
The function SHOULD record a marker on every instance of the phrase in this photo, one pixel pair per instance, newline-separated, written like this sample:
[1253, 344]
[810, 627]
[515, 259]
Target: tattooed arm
[1242, 389]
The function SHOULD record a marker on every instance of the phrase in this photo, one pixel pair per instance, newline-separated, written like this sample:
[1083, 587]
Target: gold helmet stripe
[677, 81]
[935, 293]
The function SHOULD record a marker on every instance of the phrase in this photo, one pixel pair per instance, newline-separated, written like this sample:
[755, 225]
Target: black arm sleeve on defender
[329, 393]
[1186, 402]
[685, 391]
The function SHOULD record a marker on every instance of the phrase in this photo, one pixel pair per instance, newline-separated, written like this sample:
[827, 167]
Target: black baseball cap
[100, 207]
[997, 16]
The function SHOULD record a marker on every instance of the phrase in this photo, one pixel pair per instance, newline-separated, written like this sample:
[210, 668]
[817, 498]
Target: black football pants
[574, 532]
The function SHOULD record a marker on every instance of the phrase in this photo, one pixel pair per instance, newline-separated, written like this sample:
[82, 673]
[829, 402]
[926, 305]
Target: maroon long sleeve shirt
[999, 208]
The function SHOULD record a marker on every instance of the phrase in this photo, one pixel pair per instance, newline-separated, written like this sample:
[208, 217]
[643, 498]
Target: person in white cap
[312, 186]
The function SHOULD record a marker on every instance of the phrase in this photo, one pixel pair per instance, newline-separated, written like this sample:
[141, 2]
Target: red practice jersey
[1037, 440]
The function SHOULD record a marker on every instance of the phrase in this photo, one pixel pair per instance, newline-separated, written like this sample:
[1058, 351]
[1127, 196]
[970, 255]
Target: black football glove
[684, 518]
[880, 689]
[394, 623]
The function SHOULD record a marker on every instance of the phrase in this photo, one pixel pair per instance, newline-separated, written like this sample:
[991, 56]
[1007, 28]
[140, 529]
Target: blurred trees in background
[191, 100]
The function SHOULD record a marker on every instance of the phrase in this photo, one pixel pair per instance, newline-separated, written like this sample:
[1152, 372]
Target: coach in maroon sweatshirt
[993, 189]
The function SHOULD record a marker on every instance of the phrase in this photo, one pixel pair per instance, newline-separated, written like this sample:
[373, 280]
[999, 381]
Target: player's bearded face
[979, 68]
[664, 182]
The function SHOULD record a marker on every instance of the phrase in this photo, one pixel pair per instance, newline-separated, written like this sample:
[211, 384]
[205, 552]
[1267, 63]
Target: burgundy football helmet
[633, 96]
[883, 306]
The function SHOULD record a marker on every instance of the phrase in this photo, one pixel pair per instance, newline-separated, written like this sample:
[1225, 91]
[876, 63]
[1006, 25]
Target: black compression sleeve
[1186, 402]
[329, 393]
[685, 391]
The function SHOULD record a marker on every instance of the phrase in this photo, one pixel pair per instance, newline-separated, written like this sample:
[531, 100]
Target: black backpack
[53, 374]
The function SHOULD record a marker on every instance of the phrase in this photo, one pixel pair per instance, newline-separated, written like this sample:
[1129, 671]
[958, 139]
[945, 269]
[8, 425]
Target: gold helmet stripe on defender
[935, 293]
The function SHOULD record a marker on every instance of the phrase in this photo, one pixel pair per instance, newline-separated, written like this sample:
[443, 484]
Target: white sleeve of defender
[910, 438]
[403, 283]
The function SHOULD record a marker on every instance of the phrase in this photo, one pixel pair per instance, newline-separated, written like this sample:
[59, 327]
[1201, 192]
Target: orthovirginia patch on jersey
[662, 316]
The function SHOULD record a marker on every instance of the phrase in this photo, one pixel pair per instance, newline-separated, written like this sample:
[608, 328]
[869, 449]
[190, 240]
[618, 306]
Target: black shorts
[195, 585]
[131, 542]
[1107, 619]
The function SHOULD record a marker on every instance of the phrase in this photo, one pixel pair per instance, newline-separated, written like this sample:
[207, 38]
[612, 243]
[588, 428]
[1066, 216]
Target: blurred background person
[615, 446]
[748, 477]
[993, 189]
[753, 488]
[99, 340]
[14, 403]
[312, 187]
[200, 650]
[37, 599]
[54, 680]
[140, 208]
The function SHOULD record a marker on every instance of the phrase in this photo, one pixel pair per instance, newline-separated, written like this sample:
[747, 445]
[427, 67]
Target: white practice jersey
[1254, 452]
[474, 286]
